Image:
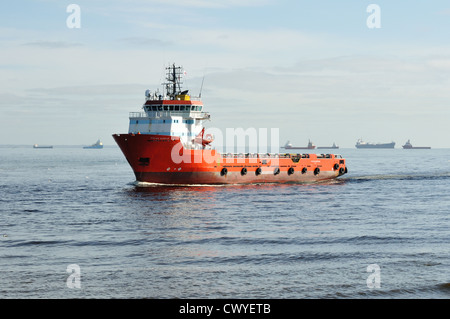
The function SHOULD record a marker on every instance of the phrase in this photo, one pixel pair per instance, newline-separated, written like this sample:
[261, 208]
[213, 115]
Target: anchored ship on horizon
[409, 146]
[42, 146]
[361, 144]
[310, 146]
[166, 143]
[96, 145]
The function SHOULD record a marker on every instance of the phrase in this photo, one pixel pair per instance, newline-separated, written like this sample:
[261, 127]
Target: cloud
[445, 12]
[89, 91]
[381, 89]
[260, 71]
[145, 42]
[214, 4]
[442, 63]
[52, 44]
[268, 40]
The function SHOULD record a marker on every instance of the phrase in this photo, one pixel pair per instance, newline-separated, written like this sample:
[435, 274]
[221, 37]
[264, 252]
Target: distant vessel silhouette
[334, 146]
[361, 144]
[96, 145]
[42, 146]
[408, 146]
[289, 146]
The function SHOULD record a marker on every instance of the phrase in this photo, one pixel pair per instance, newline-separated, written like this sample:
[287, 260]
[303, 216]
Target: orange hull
[162, 159]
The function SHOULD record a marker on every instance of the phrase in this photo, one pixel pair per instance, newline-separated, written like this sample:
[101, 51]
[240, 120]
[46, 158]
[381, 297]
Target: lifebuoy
[290, 171]
[304, 170]
[224, 171]
[258, 171]
[276, 171]
[244, 171]
[316, 171]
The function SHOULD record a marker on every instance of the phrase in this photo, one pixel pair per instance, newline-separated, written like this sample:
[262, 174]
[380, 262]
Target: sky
[325, 70]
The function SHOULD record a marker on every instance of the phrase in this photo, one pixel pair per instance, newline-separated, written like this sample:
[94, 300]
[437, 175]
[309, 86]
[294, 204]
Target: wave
[406, 176]
[445, 287]
[337, 181]
[74, 243]
[148, 184]
[436, 291]
[31, 210]
[321, 182]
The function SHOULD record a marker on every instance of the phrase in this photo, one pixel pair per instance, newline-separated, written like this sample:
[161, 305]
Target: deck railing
[276, 155]
[158, 114]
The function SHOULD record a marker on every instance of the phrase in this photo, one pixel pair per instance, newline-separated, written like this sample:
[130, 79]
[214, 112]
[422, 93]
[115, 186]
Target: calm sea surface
[69, 206]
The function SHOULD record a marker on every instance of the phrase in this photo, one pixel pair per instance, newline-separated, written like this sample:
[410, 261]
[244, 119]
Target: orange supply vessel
[166, 144]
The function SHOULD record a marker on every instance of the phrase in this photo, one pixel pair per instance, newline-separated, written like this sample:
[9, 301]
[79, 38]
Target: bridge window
[177, 107]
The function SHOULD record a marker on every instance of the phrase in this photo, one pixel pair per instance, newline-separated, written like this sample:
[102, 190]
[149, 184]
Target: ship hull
[299, 148]
[389, 145]
[162, 159]
[211, 178]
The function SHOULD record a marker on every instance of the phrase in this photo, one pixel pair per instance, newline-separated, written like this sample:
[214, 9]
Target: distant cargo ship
[96, 145]
[408, 146]
[334, 146]
[42, 146]
[289, 146]
[361, 144]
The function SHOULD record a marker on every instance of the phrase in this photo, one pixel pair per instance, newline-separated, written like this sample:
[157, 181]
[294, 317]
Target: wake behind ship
[166, 143]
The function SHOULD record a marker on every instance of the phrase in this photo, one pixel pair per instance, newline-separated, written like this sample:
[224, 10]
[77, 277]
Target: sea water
[74, 224]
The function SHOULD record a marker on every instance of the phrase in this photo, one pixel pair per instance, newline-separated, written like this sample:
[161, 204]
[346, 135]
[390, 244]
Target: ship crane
[203, 139]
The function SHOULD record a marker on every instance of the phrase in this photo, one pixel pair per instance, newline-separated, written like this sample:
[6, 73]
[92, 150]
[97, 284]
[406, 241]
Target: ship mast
[173, 86]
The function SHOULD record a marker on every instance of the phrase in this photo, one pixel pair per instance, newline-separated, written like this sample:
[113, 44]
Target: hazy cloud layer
[314, 70]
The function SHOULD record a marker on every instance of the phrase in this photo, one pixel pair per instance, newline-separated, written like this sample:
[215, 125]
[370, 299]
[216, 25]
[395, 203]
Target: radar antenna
[173, 84]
